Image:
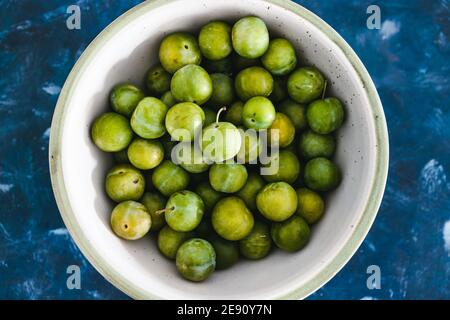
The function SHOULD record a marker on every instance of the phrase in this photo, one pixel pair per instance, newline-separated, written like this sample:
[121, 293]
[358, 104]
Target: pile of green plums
[204, 210]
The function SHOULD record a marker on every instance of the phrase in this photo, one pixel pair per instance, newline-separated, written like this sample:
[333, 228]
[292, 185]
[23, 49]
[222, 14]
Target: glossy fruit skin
[196, 259]
[190, 157]
[305, 84]
[219, 66]
[282, 131]
[185, 210]
[310, 205]
[220, 141]
[147, 120]
[280, 58]
[191, 83]
[214, 40]
[210, 117]
[231, 219]
[279, 91]
[145, 154]
[251, 147]
[121, 157]
[158, 80]
[223, 91]
[296, 113]
[227, 178]
[169, 241]
[124, 98]
[252, 187]
[111, 132]
[209, 196]
[291, 235]
[322, 175]
[277, 201]
[178, 50]
[234, 113]
[169, 178]
[227, 252]
[130, 220]
[257, 244]
[184, 120]
[258, 113]
[168, 99]
[124, 182]
[288, 167]
[313, 145]
[153, 201]
[253, 82]
[325, 116]
[250, 37]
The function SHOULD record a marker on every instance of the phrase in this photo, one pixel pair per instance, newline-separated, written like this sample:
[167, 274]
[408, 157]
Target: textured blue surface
[408, 60]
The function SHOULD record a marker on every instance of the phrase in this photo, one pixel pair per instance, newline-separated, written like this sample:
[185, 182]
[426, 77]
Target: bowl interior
[124, 52]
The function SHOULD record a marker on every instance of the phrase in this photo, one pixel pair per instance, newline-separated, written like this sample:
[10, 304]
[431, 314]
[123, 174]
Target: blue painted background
[409, 60]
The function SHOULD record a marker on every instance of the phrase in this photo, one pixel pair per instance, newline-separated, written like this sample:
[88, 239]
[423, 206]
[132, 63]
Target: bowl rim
[356, 237]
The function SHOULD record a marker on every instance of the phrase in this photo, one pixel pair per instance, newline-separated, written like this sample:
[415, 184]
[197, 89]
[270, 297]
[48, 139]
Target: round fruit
[111, 132]
[130, 220]
[291, 235]
[177, 50]
[231, 219]
[123, 182]
[277, 201]
[196, 259]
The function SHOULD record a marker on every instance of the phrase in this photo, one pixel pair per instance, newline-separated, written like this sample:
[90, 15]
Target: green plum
[196, 259]
[287, 167]
[168, 99]
[158, 80]
[227, 177]
[124, 182]
[184, 211]
[305, 84]
[169, 241]
[219, 66]
[258, 113]
[178, 50]
[209, 195]
[231, 219]
[147, 120]
[145, 154]
[282, 131]
[234, 113]
[291, 235]
[296, 113]
[280, 58]
[314, 145]
[310, 205]
[190, 157]
[223, 91]
[257, 244]
[253, 82]
[125, 97]
[322, 175]
[248, 192]
[154, 202]
[111, 132]
[277, 201]
[325, 116]
[220, 141]
[184, 120]
[191, 83]
[130, 220]
[227, 252]
[279, 91]
[250, 37]
[251, 147]
[121, 156]
[169, 178]
[214, 40]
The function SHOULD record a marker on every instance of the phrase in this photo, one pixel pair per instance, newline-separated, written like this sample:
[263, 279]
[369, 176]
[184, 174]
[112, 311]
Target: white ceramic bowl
[123, 52]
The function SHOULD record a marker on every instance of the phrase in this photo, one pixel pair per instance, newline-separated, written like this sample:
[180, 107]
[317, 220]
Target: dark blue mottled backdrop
[409, 60]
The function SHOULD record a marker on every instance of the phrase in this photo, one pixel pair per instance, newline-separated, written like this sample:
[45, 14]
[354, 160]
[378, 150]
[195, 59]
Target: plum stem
[219, 112]
[164, 210]
[324, 89]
